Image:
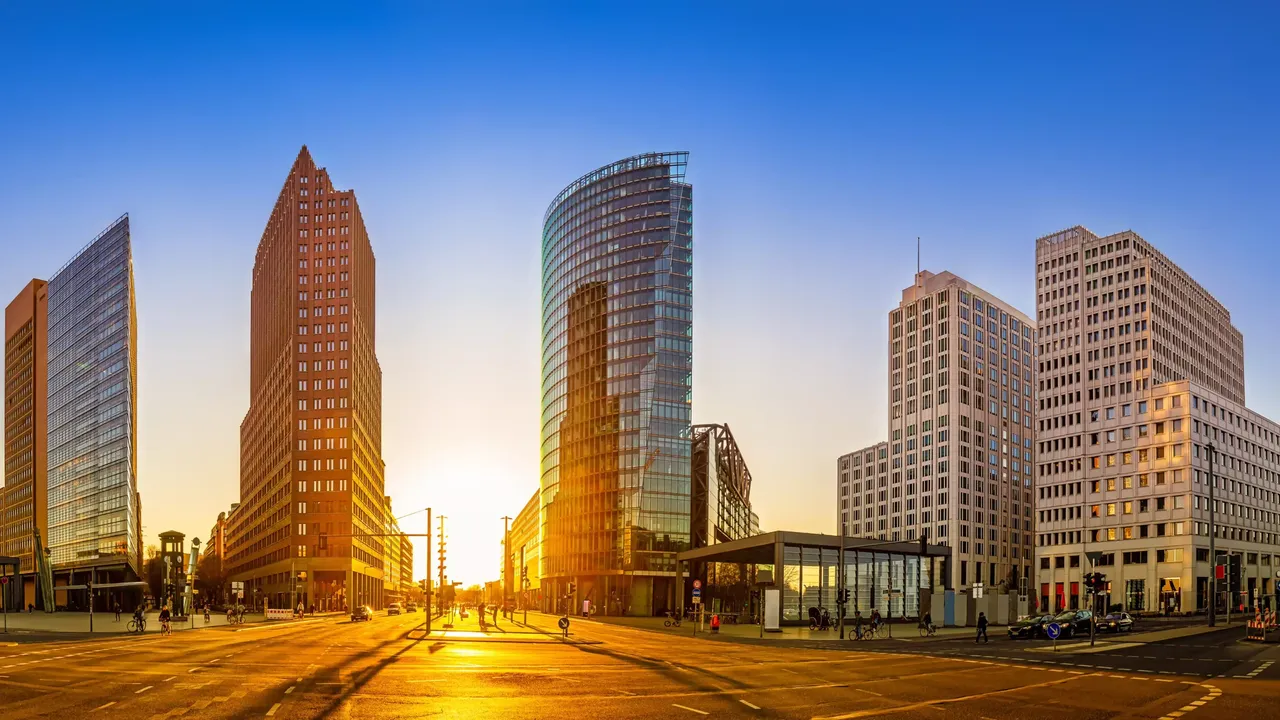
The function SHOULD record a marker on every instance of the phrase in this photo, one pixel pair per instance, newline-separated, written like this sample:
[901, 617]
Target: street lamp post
[1213, 548]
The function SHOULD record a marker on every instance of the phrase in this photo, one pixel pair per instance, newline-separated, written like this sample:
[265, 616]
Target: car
[1074, 622]
[393, 609]
[411, 607]
[1116, 622]
[361, 612]
[1029, 627]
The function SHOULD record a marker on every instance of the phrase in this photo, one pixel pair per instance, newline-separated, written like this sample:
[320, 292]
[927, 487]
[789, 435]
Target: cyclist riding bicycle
[165, 629]
[927, 624]
[138, 618]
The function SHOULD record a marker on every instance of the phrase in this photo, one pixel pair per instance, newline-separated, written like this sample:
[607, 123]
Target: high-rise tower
[617, 362]
[1141, 372]
[26, 433]
[311, 443]
[94, 509]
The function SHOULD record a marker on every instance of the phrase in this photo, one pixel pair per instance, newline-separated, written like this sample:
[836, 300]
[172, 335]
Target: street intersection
[329, 667]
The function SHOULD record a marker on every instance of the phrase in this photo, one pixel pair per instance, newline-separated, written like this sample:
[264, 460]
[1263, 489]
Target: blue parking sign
[1053, 631]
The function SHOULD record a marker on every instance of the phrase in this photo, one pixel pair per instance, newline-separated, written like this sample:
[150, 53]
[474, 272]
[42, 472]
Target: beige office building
[961, 421]
[861, 470]
[1140, 371]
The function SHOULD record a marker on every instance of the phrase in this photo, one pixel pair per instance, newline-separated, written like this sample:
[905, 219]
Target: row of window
[326, 346]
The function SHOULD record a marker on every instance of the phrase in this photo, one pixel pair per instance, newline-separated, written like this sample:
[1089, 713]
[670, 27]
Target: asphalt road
[387, 669]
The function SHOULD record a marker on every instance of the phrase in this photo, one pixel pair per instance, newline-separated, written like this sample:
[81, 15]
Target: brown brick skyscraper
[311, 443]
[26, 421]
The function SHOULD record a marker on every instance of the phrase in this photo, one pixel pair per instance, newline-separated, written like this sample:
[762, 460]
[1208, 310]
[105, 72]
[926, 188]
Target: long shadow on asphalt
[362, 678]
[668, 669]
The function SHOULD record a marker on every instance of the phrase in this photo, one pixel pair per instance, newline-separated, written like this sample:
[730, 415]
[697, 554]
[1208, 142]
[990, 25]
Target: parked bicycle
[673, 620]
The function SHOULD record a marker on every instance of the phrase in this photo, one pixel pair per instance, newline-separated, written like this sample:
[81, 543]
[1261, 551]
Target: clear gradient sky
[823, 140]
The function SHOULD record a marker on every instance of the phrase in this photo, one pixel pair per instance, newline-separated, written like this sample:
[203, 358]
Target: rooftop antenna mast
[917, 259]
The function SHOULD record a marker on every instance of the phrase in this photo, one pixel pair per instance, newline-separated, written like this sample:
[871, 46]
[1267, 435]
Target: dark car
[361, 612]
[1029, 627]
[1074, 622]
[1116, 622]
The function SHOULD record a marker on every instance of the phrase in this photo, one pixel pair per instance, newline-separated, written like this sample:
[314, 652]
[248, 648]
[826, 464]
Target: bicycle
[165, 628]
[137, 626]
[928, 630]
[672, 620]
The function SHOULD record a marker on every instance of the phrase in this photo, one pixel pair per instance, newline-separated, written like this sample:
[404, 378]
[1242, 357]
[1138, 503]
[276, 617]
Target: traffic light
[842, 596]
[573, 587]
[924, 543]
[1095, 582]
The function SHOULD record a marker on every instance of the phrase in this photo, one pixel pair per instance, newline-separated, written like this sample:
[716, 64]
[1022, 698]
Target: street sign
[1093, 556]
[977, 590]
[1053, 631]
[4, 581]
[697, 591]
[697, 585]
[697, 600]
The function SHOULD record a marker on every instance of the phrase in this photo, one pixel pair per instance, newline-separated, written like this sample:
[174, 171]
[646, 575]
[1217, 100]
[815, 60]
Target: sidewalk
[901, 631]
[541, 628]
[105, 623]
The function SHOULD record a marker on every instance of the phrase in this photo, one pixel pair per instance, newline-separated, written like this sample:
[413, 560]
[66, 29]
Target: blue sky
[824, 139]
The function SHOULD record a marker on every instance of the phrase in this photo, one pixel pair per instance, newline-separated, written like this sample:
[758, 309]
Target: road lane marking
[944, 701]
[753, 707]
[138, 692]
[693, 710]
[100, 707]
[869, 692]
[291, 687]
[273, 709]
[170, 679]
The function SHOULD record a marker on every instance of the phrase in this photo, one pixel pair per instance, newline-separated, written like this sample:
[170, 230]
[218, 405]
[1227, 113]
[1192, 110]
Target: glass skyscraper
[617, 363]
[93, 509]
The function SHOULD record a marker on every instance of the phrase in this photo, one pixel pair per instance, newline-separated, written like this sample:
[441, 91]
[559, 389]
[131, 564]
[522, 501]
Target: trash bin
[715, 623]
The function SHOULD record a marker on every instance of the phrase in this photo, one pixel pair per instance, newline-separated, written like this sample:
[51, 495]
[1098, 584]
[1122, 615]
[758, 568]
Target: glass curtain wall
[617, 359]
[810, 578]
[92, 483]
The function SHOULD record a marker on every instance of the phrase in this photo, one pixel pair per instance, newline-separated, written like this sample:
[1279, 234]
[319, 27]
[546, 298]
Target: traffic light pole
[839, 591]
[1213, 548]
[426, 601]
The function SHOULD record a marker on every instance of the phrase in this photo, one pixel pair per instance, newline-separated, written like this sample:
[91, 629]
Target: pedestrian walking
[495, 615]
[982, 629]
[480, 614]
[117, 608]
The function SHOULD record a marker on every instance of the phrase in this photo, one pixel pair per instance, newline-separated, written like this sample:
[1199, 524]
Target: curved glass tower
[617, 363]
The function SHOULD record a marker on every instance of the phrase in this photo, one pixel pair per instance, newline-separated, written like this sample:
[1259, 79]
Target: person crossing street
[982, 629]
